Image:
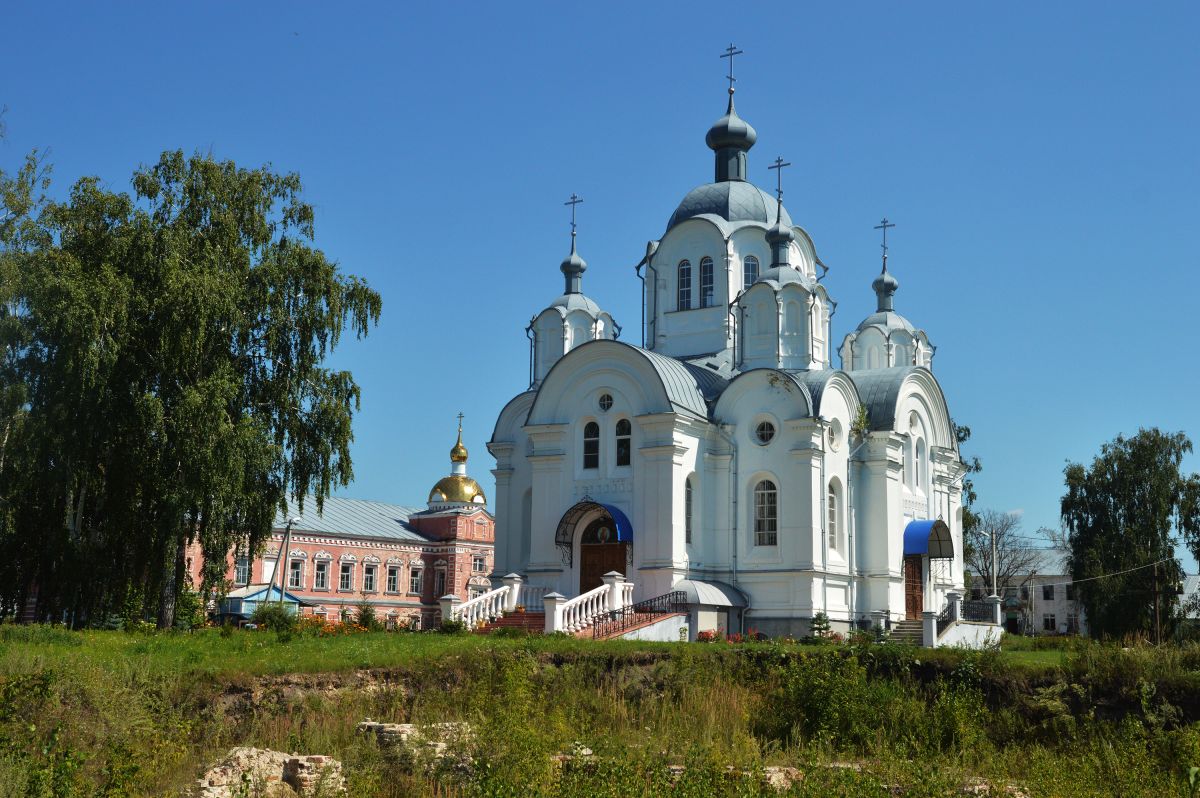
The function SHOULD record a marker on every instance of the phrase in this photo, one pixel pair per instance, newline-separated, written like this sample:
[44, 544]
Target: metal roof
[688, 386]
[711, 594]
[731, 200]
[355, 518]
[879, 389]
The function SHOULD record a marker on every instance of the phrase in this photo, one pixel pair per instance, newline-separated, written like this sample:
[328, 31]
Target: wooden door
[914, 588]
[597, 559]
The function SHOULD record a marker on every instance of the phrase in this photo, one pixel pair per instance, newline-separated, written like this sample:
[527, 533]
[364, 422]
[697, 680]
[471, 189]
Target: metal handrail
[977, 610]
[622, 619]
[943, 620]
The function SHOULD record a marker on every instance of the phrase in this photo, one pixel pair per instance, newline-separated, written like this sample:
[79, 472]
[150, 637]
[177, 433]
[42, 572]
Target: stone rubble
[271, 774]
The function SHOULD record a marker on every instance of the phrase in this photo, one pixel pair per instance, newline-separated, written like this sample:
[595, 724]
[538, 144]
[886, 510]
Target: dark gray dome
[732, 200]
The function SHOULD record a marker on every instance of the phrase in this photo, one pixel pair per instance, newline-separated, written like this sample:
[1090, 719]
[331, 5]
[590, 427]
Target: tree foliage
[166, 350]
[1123, 514]
[962, 434]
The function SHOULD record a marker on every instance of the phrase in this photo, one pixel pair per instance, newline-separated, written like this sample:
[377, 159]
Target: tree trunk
[173, 564]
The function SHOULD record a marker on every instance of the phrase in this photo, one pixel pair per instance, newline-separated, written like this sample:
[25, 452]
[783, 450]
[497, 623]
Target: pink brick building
[398, 558]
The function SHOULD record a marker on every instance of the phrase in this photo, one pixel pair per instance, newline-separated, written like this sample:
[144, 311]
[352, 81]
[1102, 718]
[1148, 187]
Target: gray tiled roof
[688, 386]
[356, 518]
[879, 389]
[731, 200]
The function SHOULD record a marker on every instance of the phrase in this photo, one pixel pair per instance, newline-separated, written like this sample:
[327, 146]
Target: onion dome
[573, 267]
[730, 138]
[885, 286]
[731, 131]
[458, 488]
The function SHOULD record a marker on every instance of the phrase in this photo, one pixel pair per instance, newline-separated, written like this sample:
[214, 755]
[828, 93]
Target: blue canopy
[565, 535]
[929, 537]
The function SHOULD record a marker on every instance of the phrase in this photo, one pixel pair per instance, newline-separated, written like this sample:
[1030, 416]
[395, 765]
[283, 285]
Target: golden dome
[457, 488]
[459, 453]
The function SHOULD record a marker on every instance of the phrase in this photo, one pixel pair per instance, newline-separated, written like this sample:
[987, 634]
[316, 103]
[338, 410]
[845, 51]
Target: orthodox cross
[884, 225]
[573, 201]
[778, 167]
[730, 52]
[460, 418]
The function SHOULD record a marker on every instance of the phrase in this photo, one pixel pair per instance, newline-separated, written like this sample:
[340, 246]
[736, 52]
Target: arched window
[684, 286]
[591, 445]
[624, 431]
[706, 282]
[687, 511]
[832, 520]
[920, 464]
[766, 514]
[749, 271]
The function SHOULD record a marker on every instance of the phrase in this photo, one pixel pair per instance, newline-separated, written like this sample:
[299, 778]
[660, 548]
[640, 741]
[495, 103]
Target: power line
[1105, 576]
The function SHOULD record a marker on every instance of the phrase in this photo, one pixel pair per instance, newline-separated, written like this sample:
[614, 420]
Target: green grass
[111, 713]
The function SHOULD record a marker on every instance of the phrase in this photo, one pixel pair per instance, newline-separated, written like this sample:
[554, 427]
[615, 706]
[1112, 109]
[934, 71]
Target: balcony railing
[619, 621]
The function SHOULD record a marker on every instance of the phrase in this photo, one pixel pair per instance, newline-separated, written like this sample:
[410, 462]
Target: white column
[614, 580]
[553, 603]
[513, 583]
[449, 603]
[929, 629]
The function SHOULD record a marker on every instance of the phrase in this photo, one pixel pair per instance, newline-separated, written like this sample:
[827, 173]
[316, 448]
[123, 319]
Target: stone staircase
[531, 622]
[907, 632]
[640, 620]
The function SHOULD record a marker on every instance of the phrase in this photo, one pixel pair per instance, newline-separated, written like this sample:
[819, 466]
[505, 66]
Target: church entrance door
[599, 553]
[914, 588]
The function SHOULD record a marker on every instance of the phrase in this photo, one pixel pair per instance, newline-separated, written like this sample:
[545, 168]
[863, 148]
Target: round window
[835, 435]
[765, 432]
[605, 402]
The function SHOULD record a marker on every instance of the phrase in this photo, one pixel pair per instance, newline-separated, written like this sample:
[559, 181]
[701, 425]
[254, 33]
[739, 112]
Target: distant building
[399, 559]
[1038, 603]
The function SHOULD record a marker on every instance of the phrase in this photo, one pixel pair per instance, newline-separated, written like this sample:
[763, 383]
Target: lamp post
[281, 563]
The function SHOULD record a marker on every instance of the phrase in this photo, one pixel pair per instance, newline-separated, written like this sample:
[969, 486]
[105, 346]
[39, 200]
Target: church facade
[727, 456]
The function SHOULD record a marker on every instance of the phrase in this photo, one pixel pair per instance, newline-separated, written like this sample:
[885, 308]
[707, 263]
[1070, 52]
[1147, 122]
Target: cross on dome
[730, 52]
[573, 266]
[884, 225]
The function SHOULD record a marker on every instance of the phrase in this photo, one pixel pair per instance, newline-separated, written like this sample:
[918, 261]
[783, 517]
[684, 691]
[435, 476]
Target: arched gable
[885, 392]
[651, 382]
[768, 386]
[513, 416]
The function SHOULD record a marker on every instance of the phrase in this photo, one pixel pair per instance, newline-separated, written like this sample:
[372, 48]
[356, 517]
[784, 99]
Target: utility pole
[281, 562]
[995, 564]
[1157, 621]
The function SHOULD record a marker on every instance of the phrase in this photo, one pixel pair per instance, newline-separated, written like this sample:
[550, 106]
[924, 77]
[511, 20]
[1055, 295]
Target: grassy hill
[115, 713]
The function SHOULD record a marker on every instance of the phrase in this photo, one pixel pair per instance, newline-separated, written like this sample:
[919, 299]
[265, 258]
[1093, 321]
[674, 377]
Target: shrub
[820, 625]
[365, 617]
[273, 616]
[451, 627]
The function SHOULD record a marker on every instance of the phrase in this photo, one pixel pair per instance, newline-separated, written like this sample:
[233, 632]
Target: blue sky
[1040, 161]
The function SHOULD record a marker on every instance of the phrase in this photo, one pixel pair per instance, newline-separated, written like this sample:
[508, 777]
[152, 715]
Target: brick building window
[369, 578]
[296, 574]
[439, 583]
[415, 580]
[241, 571]
[346, 577]
[321, 577]
[479, 563]
[393, 579]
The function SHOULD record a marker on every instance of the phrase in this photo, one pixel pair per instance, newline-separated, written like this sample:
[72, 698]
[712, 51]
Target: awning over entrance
[564, 536]
[711, 594]
[929, 537]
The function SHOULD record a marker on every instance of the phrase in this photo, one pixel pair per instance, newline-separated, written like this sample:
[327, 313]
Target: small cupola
[731, 137]
[458, 489]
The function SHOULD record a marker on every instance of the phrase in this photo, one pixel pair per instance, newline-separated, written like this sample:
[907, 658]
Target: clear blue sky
[1040, 160]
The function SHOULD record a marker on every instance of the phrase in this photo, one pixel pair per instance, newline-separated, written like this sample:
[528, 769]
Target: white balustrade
[578, 612]
[626, 594]
[483, 608]
[530, 597]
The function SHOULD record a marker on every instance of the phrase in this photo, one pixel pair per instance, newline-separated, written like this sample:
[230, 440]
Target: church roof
[568, 302]
[688, 386]
[355, 518]
[889, 321]
[879, 389]
[731, 200]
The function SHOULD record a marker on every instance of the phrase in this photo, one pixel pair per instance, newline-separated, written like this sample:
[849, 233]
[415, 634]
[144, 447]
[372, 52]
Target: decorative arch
[564, 536]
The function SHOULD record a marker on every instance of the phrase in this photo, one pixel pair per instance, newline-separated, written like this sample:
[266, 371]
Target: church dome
[457, 489]
[733, 201]
[731, 131]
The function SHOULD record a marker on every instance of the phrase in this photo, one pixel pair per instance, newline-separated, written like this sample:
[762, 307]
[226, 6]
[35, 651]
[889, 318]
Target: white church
[727, 457]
